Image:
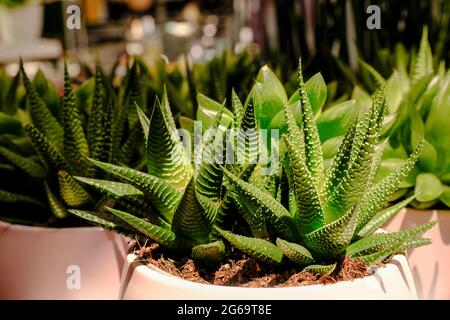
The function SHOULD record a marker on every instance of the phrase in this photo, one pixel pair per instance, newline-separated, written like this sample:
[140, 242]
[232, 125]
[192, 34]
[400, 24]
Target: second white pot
[394, 281]
[66, 263]
[21, 24]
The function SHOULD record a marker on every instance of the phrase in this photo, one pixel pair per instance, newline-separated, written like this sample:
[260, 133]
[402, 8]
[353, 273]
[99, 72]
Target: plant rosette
[60, 263]
[20, 21]
[140, 281]
[430, 266]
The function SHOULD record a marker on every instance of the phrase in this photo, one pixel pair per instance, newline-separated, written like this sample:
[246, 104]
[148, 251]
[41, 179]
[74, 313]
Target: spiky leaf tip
[295, 252]
[313, 150]
[323, 270]
[75, 146]
[278, 216]
[260, 249]
[42, 118]
[56, 205]
[160, 235]
[71, 191]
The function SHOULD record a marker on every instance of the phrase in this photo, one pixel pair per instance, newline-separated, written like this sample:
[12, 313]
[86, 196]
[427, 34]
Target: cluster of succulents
[304, 212]
[418, 104]
[45, 139]
[57, 138]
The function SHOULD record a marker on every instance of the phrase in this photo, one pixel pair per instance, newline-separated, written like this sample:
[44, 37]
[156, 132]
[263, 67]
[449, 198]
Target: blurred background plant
[330, 36]
[418, 97]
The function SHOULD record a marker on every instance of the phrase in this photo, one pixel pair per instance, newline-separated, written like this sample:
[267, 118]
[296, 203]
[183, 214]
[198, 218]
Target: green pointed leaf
[75, 146]
[295, 252]
[10, 197]
[381, 255]
[340, 166]
[323, 270]
[260, 249]
[162, 195]
[379, 242]
[209, 175]
[145, 122]
[331, 239]
[269, 96]
[99, 133]
[46, 151]
[382, 217]
[92, 217]
[32, 168]
[309, 209]
[166, 156]
[72, 193]
[56, 206]
[190, 221]
[313, 150]
[238, 109]
[278, 216]
[41, 115]
[162, 236]
[374, 73]
[353, 185]
[378, 194]
[118, 189]
[424, 63]
[247, 140]
[134, 93]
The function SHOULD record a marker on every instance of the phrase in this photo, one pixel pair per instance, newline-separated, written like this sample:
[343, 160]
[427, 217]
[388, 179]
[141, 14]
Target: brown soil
[243, 271]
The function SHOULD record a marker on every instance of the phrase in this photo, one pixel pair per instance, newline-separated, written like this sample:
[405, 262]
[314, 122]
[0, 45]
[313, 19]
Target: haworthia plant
[303, 212]
[418, 103]
[63, 144]
[325, 215]
[181, 202]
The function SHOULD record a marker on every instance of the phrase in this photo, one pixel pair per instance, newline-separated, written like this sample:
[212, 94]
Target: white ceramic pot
[21, 24]
[66, 263]
[139, 281]
[430, 265]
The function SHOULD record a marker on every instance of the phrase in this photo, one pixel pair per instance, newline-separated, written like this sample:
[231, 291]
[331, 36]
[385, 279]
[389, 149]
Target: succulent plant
[61, 143]
[326, 214]
[179, 200]
[418, 103]
[313, 215]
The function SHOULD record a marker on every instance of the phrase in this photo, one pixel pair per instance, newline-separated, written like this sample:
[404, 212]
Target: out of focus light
[180, 29]
[212, 19]
[31, 68]
[207, 41]
[148, 24]
[209, 30]
[74, 69]
[134, 48]
[136, 29]
[196, 51]
[246, 35]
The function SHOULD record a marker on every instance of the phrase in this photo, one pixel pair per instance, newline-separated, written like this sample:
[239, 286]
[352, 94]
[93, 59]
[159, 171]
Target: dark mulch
[243, 271]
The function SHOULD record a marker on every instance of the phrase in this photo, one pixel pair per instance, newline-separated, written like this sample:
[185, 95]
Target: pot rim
[22, 227]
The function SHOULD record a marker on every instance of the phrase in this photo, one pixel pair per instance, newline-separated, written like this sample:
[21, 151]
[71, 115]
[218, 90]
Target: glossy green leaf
[269, 96]
[428, 187]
